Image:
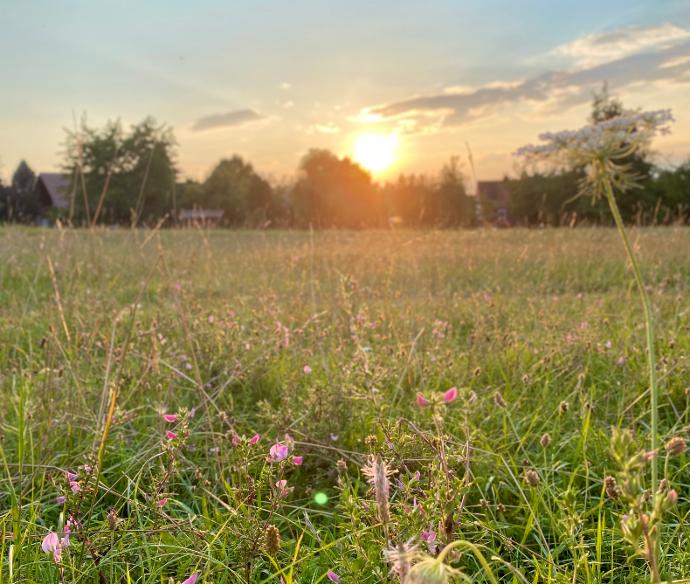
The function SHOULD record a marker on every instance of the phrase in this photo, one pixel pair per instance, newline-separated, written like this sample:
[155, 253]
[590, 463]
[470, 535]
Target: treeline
[661, 198]
[121, 176]
[129, 177]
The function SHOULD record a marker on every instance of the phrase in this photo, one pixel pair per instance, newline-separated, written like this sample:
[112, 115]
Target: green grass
[194, 322]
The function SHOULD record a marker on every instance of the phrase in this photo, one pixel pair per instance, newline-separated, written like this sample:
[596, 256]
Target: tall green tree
[121, 176]
[235, 187]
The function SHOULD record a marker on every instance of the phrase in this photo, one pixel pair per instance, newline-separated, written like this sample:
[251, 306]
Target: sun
[375, 152]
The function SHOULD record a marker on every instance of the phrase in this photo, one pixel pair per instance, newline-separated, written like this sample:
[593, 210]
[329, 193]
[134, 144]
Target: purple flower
[297, 460]
[254, 439]
[191, 579]
[332, 576]
[60, 499]
[428, 536]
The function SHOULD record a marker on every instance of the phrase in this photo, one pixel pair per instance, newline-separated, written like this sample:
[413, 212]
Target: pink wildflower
[297, 460]
[278, 452]
[450, 395]
[422, 402]
[333, 577]
[254, 439]
[191, 579]
[74, 486]
[53, 544]
[307, 369]
[170, 435]
[281, 486]
[70, 476]
[428, 536]
[162, 502]
[60, 499]
[170, 418]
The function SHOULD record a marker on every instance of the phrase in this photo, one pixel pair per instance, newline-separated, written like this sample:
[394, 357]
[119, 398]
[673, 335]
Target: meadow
[266, 406]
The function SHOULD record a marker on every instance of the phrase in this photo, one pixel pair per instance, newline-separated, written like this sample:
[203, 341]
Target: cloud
[227, 120]
[328, 128]
[595, 49]
[550, 92]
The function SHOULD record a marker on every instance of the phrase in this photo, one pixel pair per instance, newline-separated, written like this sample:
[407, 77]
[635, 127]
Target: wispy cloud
[595, 49]
[651, 62]
[227, 120]
[327, 128]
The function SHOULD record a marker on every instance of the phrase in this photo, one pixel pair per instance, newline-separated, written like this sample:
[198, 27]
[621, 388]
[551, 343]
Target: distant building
[493, 202]
[54, 190]
[197, 216]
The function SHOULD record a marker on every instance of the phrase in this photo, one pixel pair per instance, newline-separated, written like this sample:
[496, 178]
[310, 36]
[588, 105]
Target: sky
[269, 80]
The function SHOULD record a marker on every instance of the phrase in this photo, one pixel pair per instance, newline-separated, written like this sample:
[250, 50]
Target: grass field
[320, 343]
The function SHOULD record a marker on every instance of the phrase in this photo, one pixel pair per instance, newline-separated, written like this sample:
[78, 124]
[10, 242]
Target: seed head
[271, 539]
[531, 477]
[675, 446]
[611, 487]
[545, 440]
[498, 400]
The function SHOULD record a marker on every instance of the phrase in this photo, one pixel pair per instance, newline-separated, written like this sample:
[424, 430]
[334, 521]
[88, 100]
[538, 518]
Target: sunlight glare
[375, 152]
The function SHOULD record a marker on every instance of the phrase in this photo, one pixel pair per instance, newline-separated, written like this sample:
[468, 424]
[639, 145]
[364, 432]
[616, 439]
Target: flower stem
[649, 326]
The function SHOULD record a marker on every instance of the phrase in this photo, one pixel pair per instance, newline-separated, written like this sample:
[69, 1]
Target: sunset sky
[270, 79]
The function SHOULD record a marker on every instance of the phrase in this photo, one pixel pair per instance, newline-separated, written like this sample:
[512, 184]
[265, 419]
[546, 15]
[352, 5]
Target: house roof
[494, 191]
[197, 214]
[57, 186]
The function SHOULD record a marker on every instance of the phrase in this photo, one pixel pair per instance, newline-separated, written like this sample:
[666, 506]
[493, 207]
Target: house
[198, 216]
[493, 202]
[54, 190]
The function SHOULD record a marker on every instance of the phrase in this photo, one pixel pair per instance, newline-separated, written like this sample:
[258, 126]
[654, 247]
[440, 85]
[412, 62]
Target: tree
[235, 187]
[335, 192]
[121, 177]
[634, 202]
[544, 199]
[454, 207]
[20, 200]
[538, 198]
[672, 191]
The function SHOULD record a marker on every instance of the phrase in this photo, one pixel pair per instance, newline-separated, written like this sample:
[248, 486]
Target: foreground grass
[328, 337]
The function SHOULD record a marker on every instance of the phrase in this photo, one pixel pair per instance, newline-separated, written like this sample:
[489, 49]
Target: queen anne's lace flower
[630, 130]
